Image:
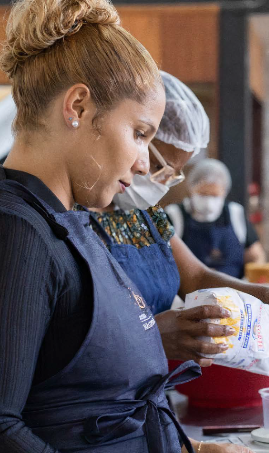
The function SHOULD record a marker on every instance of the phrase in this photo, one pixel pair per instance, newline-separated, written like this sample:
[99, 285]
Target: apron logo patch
[149, 324]
[146, 317]
[139, 300]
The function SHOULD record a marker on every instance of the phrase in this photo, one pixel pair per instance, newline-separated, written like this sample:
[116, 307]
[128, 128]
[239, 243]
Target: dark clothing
[252, 235]
[152, 268]
[215, 243]
[57, 274]
[43, 269]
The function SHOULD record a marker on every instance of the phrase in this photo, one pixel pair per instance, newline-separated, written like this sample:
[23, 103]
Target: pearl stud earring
[75, 124]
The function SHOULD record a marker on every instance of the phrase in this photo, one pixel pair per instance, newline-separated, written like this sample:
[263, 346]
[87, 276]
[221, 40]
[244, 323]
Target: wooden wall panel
[145, 25]
[183, 39]
[191, 37]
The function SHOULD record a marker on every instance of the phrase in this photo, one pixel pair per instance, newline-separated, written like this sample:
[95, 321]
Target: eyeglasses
[167, 174]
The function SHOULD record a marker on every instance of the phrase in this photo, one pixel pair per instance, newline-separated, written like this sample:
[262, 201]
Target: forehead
[174, 156]
[209, 188]
[152, 108]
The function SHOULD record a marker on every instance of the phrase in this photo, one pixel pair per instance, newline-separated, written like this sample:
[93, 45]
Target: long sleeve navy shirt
[45, 313]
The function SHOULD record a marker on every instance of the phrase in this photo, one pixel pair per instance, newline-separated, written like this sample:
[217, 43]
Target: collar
[35, 185]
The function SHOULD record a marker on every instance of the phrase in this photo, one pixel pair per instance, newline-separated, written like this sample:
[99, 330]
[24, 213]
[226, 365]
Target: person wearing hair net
[216, 231]
[220, 236]
[140, 237]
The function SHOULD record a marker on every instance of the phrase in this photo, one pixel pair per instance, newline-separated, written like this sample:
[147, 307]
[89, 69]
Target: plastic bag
[249, 346]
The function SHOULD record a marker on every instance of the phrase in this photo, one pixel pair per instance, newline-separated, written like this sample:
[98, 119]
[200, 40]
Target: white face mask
[206, 209]
[142, 194]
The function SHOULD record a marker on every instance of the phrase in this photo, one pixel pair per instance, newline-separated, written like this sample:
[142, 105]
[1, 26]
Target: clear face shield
[167, 174]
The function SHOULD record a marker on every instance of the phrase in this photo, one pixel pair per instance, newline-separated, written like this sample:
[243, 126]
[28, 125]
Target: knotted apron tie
[129, 416]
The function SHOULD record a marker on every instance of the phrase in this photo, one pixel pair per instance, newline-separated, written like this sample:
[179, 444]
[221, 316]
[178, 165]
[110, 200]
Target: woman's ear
[77, 105]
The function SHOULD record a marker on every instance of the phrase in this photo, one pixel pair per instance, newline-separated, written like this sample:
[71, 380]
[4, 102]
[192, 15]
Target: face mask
[206, 209]
[142, 194]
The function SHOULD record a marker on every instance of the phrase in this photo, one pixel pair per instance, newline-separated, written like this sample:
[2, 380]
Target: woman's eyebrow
[148, 123]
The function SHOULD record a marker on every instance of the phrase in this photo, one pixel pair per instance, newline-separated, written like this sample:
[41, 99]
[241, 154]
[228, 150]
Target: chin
[94, 199]
[104, 201]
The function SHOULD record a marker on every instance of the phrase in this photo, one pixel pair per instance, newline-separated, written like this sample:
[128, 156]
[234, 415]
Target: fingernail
[226, 312]
[231, 330]
[223, 346]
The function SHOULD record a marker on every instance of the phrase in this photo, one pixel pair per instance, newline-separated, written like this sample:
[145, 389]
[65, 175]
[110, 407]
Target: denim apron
[215, 243]
[111, 397]
[152, 269]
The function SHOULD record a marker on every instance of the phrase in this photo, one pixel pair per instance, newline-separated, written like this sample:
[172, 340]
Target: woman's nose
[141, 165]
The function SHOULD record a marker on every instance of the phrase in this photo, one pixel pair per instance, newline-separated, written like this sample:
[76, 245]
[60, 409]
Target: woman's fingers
[204, 312]
[204, 329]
[180, 334]
[203, 347]
[189, 348]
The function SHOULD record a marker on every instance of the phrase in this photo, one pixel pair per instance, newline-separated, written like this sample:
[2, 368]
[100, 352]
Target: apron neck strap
[152, 228]
[15, 188]
[105, 236]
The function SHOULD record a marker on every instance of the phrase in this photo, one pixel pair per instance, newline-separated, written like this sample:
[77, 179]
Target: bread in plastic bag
[249, 346]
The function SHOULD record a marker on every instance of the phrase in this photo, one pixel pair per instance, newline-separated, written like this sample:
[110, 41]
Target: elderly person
[216, 231]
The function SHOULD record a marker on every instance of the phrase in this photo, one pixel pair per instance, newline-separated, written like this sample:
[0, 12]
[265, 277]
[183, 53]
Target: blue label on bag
[248, 328]
[242, 317]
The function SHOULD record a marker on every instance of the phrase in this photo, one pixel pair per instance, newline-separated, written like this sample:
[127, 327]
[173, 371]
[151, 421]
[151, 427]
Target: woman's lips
[123, 185]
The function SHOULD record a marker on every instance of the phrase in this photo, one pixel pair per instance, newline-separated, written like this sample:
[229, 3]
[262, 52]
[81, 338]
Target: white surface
[241, 439]
[244, 439]
[261, 435]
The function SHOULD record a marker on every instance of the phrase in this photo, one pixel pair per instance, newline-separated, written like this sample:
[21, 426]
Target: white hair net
[210, 171]
[185, 123]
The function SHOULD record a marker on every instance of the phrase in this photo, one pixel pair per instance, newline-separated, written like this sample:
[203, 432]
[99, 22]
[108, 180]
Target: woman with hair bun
[75, 351]
[81, 359]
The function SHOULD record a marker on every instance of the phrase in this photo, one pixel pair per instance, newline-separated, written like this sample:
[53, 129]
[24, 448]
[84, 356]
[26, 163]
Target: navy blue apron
[110, 398]
[215, 243]
[152, 269]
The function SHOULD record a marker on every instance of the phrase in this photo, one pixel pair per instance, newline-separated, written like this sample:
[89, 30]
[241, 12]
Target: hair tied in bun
[102, 55]
[77, 25]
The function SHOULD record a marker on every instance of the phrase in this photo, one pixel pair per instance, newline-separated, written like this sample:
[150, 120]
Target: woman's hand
[226, 448]
[180, 330]
[223, 448]
[217, 448]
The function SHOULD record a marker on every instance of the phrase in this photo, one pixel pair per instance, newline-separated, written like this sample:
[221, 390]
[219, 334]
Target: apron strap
[109, 242]
[152, 228]
[15, 188]
[105, 236]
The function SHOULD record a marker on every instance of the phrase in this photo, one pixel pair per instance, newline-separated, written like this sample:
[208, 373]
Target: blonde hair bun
[35, 25]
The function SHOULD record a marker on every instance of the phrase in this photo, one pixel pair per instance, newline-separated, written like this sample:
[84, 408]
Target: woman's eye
[140, 134]
[158, 167]
[155, 167]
